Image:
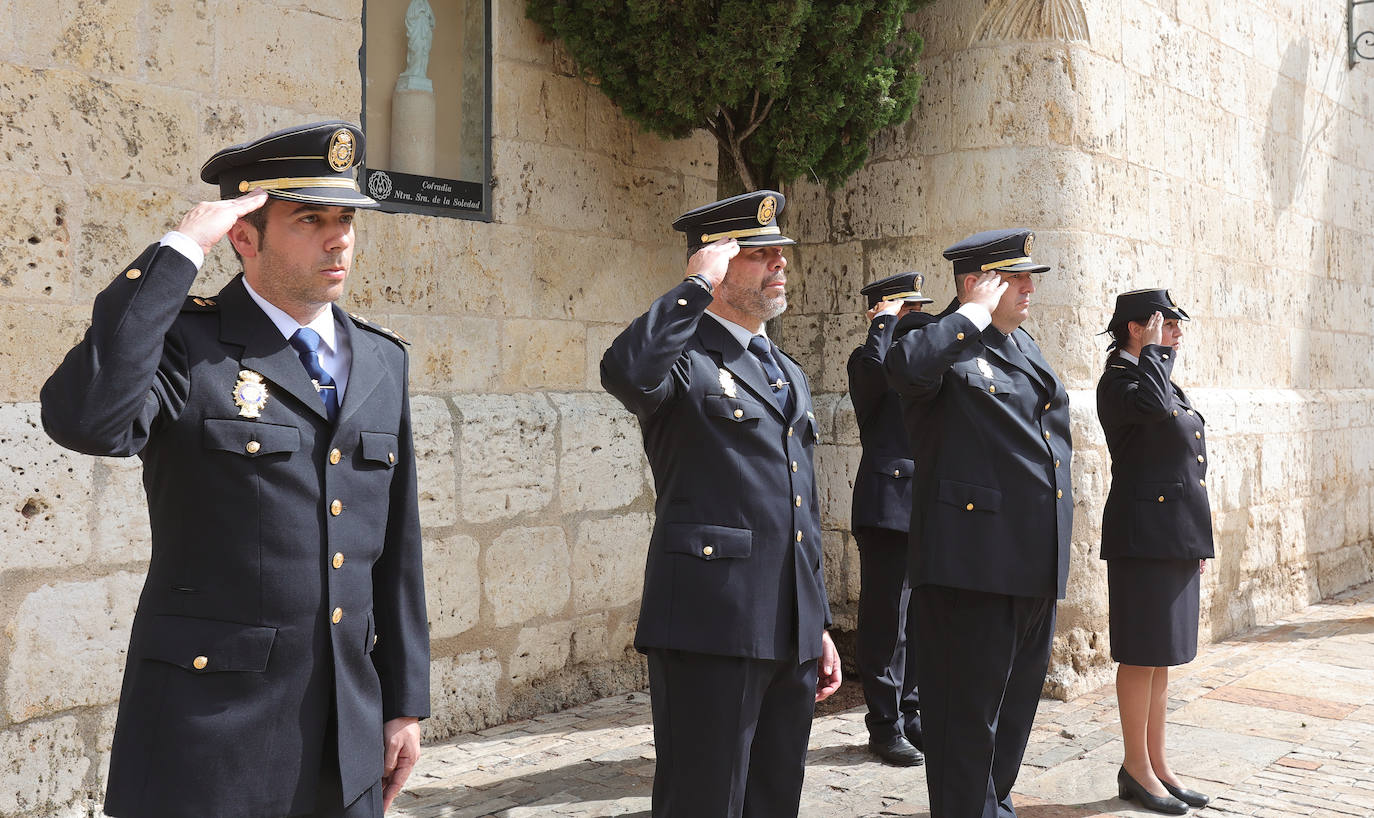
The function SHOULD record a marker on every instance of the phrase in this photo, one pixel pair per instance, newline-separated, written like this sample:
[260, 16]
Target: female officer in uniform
[1156, 534]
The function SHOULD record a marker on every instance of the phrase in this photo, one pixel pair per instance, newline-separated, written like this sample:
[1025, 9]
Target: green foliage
[789, 87]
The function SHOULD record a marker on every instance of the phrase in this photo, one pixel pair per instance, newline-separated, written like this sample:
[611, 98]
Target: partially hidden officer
[279, 658]
[992, 514]
[881, 513]
[733, 616]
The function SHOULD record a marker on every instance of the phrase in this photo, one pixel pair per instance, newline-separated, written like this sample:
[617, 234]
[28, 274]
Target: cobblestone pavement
[1276, 723]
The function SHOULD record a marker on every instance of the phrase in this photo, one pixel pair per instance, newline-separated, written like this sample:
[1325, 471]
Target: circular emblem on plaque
[250, 394]
[1030, 240]
[767, 209]
[379, 185]
[341, 149]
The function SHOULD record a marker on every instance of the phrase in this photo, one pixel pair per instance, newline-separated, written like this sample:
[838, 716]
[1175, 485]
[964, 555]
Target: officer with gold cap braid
[992, 513]
[279, 658]
[734, 615]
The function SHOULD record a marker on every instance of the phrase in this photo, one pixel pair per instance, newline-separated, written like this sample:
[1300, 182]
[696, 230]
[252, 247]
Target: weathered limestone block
[884, 200]
[826, 278]
[840, 568]
[612, 133]
[122, 531]
[36, 263]
[592, 278]
[591, 640]
[540, 651]
[508, 455]
[526, 575]
[842, 333]
[531, 105]
[183, 53]
[843, 430]
[69, 645]
[464, 694]
[450, 354]
[553, 187]
[267, 57]
[45, 767]
[1017, 95]
[542, 354]
[432, 428]
[100, 38]
[608, 562]
[49, 495]
[453, 584]
[836, 470]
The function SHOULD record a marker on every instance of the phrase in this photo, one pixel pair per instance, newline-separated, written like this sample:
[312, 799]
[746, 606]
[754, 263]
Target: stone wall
[1221, 149]
[535, 498]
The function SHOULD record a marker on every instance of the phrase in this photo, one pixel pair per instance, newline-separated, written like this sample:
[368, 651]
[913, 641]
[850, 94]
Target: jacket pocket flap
[1159, 492]
[970, 497]
[893, 466]
[719, 406]
[208, 645]
[379, 447]
[249, 438]
[708, 542]
[992, 385]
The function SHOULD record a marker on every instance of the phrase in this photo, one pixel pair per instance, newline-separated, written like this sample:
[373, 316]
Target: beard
[753, 302]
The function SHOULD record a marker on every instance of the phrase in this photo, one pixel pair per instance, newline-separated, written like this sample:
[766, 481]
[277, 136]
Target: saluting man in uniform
[279, 660]
[992, 512]
[881, 512]
[734, 613]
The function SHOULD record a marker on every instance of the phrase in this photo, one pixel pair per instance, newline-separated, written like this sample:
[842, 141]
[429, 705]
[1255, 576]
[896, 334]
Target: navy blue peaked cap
[1139, 305]
[1006, 251]
[899, 287]
[749, 218]
[313, 163]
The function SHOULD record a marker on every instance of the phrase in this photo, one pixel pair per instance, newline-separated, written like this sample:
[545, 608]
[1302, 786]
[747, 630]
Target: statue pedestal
[412, 127]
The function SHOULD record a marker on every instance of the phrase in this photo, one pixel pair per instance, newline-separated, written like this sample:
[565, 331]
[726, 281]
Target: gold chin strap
[1006, 262]
[293, 182]
[706, 238]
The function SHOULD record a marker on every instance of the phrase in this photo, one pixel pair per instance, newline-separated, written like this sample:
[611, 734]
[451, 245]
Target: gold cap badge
[767, 208]
[1030, 240]
[340, 154]
[250, 394]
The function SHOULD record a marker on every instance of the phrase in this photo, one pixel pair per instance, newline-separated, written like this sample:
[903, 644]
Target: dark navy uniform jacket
[882, 488]
[285, 585]
[992, 504]
[734, 565]
[1157, 507]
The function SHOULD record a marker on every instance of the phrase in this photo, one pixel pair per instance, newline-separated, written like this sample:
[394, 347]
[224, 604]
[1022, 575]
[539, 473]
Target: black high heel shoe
[1189, 797]
[1129, 788]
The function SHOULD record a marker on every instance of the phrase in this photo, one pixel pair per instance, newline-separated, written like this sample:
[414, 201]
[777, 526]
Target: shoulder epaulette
[385, 332]
[198, 303]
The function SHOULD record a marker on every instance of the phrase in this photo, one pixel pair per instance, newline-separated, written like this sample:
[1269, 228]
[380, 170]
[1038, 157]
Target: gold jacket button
[1197, 435]
[798, 501]
[959, 337]
[1047, 435]
[992, 388]
[707, 550]
[1201, 459]
[1165, 356]
[1175, 413]
[794, 465]
[252, 447]
[1191, 412]
[391, 457]
[968, 507]
[1161, 498]
[1056, 462]
[1202, 483]
[337, 616]
[200, 662]
[1059, 494]
[133, 274]
[882, 326]
[739, 413]
[338, 560]
[799, 536]
[335, 456]
[1047, 407]
[896, 472]
[682, 302]
[789, 431]
[336, 508]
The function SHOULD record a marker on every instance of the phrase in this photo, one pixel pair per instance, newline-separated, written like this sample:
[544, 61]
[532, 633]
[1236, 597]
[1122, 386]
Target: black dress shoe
[897, 751]
[1129, 788]
[1192, 799]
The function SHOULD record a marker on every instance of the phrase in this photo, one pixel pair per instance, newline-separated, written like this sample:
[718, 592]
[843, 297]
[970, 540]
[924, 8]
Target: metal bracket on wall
[1362, 44]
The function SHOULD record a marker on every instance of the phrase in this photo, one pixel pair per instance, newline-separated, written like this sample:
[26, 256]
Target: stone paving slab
[1276, 723]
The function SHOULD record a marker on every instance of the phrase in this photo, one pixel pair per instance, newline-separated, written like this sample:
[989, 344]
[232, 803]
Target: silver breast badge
[727, 383]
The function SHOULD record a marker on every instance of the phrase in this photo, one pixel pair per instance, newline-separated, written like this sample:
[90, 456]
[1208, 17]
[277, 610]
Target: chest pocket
[996, 386]
[379, 448]
[250, 438]
[732, 409]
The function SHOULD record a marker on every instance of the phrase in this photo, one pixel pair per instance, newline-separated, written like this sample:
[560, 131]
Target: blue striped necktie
[782, 394]
[306, 342]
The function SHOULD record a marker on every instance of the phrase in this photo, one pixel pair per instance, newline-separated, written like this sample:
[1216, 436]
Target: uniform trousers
[885, 643]
[983, 658]
[730, 734]
[329, 795]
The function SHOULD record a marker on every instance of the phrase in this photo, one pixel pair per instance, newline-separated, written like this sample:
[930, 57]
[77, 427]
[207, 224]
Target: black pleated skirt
[1154, 611]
